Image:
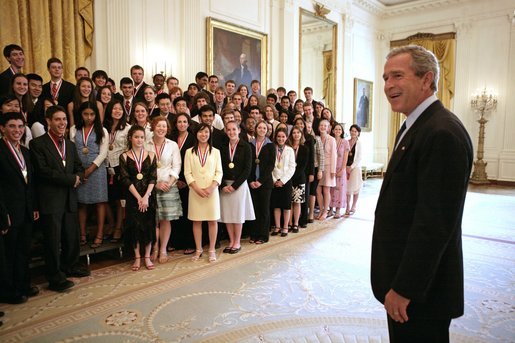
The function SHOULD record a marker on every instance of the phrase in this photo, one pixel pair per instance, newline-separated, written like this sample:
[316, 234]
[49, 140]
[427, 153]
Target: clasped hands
[143, 203]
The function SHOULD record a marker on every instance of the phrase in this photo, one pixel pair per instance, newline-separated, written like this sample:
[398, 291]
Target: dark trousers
[420, 330]
[62, 247]
[17, 244]
[182, 230]
[260, 226]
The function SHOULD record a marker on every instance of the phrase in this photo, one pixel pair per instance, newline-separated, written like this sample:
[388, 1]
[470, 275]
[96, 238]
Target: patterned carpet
[309, 287]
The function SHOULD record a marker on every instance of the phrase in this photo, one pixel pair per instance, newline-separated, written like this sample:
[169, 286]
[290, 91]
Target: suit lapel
[407, 141]
[12, 160]
[53, 150]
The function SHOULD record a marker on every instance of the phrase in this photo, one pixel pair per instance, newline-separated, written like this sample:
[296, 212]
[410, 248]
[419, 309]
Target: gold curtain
[328, 87]
[49, 28]
[444, 48]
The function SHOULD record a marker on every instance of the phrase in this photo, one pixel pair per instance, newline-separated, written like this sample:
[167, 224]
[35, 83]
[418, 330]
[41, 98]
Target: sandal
[97, 243]
[189, 251]
[198, 254]
[347, 214]
[212, 255]
[295, 229]
[137, 264]
[284, 232]
[148, 263]
[259, 241]
[83, 240]
[275, 231]
[117, 235]
[163, 257]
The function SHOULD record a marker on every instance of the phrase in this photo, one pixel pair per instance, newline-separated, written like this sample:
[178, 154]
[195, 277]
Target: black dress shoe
[62, 286]
[32, 291]
[2, 313]
[303, 226]
[227, 250]
[78, 272]
[234, 250]
[13, 299]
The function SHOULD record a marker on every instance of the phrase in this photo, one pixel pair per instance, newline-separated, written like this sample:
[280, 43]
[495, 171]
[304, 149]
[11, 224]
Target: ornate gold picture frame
[363, 105]
[237, 53]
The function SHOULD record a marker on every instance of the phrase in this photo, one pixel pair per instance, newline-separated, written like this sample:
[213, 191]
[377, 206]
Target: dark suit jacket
[416, 245]
[266, 165]
[139, 96]
[302, 159]
[19, 196]
[55, 181]
[242, 164]
[5, 81]
[65, 95]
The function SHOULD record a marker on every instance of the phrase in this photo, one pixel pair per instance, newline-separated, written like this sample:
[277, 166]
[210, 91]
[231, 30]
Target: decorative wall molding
[376, 8]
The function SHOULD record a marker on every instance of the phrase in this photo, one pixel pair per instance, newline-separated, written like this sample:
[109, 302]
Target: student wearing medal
[59, 172]
[116, 124]
[203, 173]
[138, 175]
[235, 200]
[140, 117]
[169, 208]
[281, 176]
[91, 140]
[261, 183]
[182, 235]
[17, 194]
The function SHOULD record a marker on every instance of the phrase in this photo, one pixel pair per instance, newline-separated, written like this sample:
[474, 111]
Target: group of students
[148, 166]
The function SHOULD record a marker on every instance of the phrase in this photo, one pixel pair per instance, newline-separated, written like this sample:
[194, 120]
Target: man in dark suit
[58, 88]
[16, 58]
[241, 74]
[137, 75]
[18, 192]
[128, 99]
[417, 263]
[59, 171]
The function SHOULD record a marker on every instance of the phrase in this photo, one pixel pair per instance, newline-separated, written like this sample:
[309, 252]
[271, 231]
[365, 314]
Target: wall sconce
[483, 104]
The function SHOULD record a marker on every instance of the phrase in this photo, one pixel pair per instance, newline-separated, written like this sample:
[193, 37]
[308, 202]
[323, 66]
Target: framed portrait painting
[363, 104]
[236, 53]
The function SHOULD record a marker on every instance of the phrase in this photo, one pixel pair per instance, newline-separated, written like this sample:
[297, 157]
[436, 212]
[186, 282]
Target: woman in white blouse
[354, 177]
[168, 168]
[281, 176]
[117, 127]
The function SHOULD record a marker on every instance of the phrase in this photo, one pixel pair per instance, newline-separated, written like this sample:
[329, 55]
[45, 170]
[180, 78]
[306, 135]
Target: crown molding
[376, 8]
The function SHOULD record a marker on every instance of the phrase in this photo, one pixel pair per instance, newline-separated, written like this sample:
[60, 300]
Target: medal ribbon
[279, 154]
[180, 142]
[61, 153]
[160, 153]
[86, 136]
[19, 159]
[259, 146]
[112, 137]
[202, 156]
[232, 150]
[138, 161]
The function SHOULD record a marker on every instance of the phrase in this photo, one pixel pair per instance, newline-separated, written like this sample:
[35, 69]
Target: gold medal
[85, 150]
[231, 165]
[279, 165]
[256, 160]
[159, 164]
[111, 147]
[139, 176]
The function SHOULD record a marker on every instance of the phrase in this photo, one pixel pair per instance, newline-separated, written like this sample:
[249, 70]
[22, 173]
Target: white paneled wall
[152, 32]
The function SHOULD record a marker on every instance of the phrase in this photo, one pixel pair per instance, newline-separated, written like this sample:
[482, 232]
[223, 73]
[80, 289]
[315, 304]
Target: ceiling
[395, 2]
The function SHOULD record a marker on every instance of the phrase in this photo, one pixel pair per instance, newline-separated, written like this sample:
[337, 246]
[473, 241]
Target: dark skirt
[281, 196]
[114, 188]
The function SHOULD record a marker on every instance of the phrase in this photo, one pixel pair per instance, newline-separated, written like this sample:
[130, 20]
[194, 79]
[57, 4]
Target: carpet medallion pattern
[309, 287]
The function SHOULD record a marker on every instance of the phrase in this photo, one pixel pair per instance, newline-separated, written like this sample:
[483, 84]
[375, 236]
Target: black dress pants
[420, 330]
[62, 247]
[17, 243]
[260, 226]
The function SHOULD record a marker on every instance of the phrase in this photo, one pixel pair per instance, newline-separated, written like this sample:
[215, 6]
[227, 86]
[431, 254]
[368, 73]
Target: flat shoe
[235, 250]
[227, 250]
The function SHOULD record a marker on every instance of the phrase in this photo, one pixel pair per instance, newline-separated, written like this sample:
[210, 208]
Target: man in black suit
[59, 171]
[16, 58]
[241, 74]
[417, 262]
[137, 75]
[58, 88]
[18, 192]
